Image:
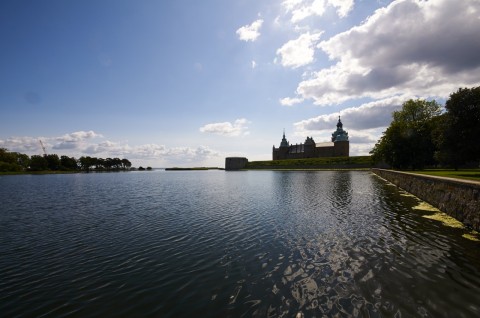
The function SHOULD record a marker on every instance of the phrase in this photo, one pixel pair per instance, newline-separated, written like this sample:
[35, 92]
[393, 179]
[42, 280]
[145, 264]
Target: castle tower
[309, 148]
[282, 151]
[340, 141]
[284, 142]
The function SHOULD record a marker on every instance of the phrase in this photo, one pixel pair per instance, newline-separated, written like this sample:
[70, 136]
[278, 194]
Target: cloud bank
[237, 128]
[377, 114]
[90, 143]
[410, 47]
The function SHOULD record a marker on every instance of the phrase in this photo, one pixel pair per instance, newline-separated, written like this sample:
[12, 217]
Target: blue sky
[188, 83]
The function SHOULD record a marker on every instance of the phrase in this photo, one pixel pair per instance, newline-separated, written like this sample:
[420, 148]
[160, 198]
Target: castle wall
[324, 152]
[341, 149]
[235, 163]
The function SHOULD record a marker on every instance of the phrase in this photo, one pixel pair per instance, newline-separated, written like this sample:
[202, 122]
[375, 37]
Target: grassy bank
[467, 174]
[314, 163]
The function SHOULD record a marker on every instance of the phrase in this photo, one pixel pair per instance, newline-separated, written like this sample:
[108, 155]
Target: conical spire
[284, 142]
[339, 124]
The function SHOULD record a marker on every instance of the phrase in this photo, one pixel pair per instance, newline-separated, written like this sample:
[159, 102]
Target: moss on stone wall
[459, 199]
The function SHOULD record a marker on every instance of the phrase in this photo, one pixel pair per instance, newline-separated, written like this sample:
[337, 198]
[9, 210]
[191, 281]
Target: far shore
[193, 168]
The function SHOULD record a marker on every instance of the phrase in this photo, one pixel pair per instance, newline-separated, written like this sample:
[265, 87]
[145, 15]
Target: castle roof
[324, 144]
[284, 142]
[339, 134]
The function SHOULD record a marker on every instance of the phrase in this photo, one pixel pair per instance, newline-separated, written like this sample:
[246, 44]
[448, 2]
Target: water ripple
[228, 244]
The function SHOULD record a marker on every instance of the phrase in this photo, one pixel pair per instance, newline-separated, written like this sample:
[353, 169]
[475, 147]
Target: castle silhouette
[339, 147]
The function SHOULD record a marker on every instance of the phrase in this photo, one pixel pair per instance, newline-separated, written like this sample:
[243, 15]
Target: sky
[187, 83]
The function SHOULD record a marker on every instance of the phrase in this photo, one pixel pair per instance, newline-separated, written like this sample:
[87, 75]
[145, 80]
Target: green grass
[468, 174]
[310, 162]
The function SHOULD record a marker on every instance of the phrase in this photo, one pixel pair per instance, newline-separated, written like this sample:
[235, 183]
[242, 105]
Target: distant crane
[43, 147]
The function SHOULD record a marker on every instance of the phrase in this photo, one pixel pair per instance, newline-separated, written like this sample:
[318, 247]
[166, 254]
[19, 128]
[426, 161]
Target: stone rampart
[459, 199]
[235, 163]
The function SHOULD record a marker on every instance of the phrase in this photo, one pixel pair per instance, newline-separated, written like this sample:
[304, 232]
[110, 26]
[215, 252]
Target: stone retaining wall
[235, 163]
[459, 199]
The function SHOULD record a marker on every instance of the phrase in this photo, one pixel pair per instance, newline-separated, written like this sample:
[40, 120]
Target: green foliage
[420, 135]
[458, 140]
[68, 163]
[9, 167]
[408, 141]
[53, 162]
[18, 162]
[38, 163]
[88, 163]
[13, 161]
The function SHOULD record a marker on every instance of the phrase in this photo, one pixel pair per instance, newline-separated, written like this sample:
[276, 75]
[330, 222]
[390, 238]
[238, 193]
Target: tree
[6, 156]
[68, 163]
[86, 162]
[13, 161]
[407, 142]
[117, 163]
[458, 140]
[126, 164]
[53, 161]
[38, 163]
[22, 160]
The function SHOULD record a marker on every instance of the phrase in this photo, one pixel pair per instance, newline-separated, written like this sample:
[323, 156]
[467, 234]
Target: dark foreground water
[228, 244]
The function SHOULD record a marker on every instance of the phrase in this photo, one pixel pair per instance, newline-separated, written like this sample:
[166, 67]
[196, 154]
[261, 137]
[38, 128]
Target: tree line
[14, 161]
[423, 134]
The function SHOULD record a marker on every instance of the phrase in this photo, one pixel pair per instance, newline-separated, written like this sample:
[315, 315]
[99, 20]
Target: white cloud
[79, 135]
[174, 155]
[411, 47]
[75, 140]
[238, 128]
[288, 101]
[299, 52]
[21, 144]
[254, 64]
[289, 5]
[317, 7]
[250, 32]
[367, 116]
[360, 149]
[302, 9]
[79, 144]
[343, 6]
[109, 147]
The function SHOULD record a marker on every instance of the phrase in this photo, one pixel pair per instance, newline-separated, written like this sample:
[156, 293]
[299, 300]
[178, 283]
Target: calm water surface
[228, 244]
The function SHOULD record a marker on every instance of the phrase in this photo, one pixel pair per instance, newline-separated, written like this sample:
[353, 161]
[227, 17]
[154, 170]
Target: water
[227, 244]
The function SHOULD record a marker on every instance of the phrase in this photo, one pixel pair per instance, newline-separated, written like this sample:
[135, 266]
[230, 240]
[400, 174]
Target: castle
[339, 147]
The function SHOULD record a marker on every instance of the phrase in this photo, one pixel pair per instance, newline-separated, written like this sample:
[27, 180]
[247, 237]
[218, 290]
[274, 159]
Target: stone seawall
[235, 163]
[459, 199]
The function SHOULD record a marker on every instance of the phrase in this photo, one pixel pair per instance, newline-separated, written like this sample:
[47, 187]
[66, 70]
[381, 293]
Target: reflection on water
[211, 243]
